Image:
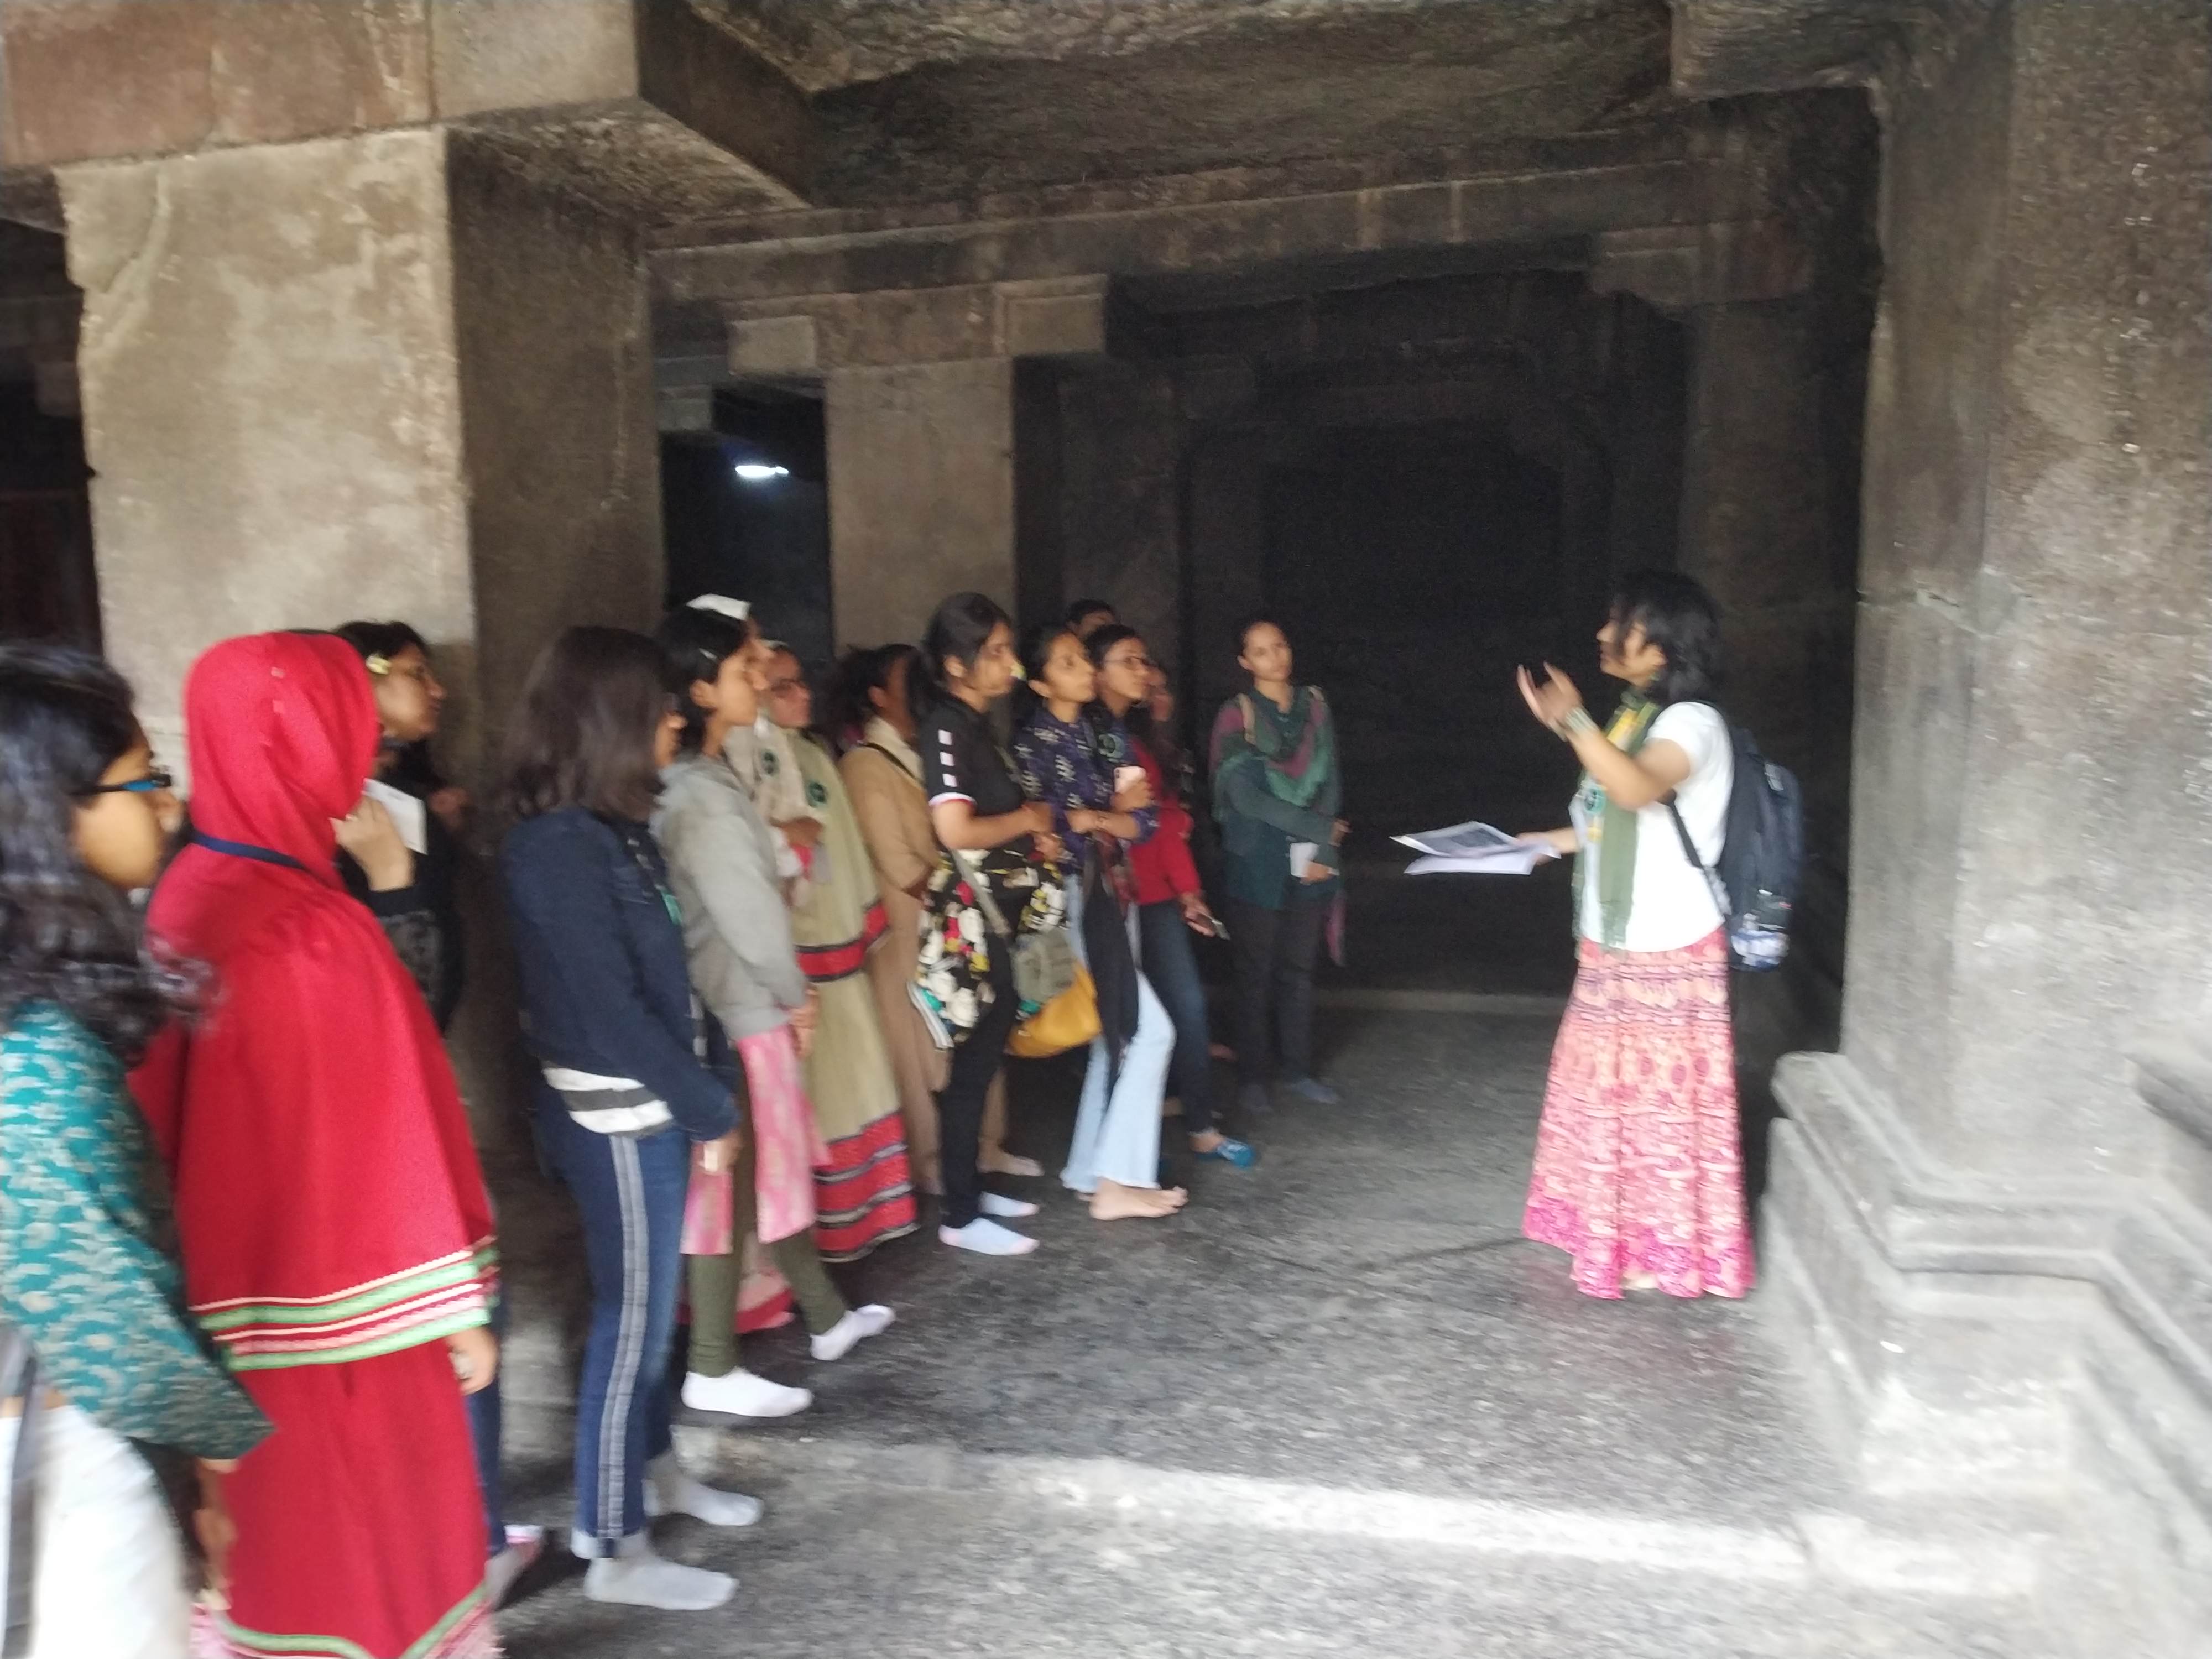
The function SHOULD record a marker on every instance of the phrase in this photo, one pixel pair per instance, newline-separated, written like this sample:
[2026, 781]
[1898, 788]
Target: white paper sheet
[1302, 858]
[1516, 860]
[408, 814]
[1459, 840]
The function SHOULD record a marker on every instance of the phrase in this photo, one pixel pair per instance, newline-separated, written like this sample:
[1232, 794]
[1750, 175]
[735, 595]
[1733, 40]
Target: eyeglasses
[1131, 662]
[154, 783]
[784, 688]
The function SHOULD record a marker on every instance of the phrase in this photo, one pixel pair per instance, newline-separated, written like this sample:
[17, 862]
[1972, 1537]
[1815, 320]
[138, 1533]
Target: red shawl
[327, 1193]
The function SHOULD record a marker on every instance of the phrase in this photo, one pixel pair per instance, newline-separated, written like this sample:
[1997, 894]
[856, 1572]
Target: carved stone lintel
[819, 333]
[1725, 48]
[685, 407]
[1677, 267]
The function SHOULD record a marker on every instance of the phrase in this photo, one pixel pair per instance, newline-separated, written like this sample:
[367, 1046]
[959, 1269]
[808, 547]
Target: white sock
[643, 1579]
[859, 1323]
[742, 1394]
[1007, 1209]
[669, 1491]
[986, 1237]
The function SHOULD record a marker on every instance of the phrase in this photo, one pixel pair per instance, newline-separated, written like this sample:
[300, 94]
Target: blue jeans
[484, 1416]
[630, 1189]
[1171, 965]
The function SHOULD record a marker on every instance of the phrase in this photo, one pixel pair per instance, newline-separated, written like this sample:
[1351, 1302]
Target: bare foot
[1114, 1202]
[1208, 1141]
[1002, 1162]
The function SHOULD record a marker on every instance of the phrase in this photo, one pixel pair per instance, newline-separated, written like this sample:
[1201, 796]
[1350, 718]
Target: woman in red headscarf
[337, 1240]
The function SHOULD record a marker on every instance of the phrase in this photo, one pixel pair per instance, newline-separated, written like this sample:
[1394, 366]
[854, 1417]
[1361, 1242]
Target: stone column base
[2029, 1363]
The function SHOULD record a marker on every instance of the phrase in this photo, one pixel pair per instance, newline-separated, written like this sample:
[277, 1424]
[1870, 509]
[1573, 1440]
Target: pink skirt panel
[1639, 1170]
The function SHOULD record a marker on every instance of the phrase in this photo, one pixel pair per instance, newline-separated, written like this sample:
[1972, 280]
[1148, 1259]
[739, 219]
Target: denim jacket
[598, 947]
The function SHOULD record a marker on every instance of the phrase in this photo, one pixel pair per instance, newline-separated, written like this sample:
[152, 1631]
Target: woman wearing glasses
[410, 892]
[1171, 902]
[84, 1274]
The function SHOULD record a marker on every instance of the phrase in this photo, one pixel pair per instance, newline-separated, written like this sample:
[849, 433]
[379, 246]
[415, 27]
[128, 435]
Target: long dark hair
[696, 644]
[847, 706]
[956, 633]
[1678, 615]
[413, 767]
[66, 937]
[582, 734]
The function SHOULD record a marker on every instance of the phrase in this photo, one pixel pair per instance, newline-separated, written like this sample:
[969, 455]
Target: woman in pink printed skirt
[1639, 1175]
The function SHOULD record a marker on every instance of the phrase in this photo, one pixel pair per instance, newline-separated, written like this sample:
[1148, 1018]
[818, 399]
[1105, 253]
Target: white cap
[737, 610]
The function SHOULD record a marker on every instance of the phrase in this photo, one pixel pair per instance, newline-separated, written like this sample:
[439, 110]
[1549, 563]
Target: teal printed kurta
[86, 1271]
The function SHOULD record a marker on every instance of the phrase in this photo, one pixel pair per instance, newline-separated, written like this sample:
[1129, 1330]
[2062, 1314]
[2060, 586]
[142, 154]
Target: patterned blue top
[1070, 764]
[86, 1271]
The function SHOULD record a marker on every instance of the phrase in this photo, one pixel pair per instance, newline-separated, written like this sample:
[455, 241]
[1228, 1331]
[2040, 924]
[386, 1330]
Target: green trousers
[713, 1282]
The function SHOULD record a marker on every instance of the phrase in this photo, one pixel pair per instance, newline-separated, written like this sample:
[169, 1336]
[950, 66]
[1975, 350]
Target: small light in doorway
[759, 472]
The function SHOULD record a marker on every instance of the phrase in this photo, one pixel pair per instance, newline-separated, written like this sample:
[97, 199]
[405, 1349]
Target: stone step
[898, 1550]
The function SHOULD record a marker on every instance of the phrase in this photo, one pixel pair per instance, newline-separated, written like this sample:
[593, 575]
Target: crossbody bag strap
[979, 885]
[889, 756]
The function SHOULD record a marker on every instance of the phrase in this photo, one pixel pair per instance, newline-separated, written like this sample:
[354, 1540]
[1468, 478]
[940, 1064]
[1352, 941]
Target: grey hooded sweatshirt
[721, 865]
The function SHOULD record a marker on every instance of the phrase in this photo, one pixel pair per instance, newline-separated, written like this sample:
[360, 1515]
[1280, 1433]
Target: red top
[1162, 862]
[328, 1197]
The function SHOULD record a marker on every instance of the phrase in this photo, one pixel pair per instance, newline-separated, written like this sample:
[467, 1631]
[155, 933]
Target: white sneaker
[858, 1324]
[986, 1237]
[741, 1393]
[643, 1579]
[1007, 1209]
[669, 1491]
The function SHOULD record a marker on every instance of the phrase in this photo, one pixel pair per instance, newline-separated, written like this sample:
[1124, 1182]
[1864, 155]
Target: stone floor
[1337, 1407]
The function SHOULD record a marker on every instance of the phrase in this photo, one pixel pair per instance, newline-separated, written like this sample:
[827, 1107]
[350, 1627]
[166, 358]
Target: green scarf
[1613, 828]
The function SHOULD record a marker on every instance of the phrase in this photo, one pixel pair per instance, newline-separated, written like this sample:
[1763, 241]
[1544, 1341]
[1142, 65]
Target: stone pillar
[359, 377]
[271, 406]
[1999, 1263]
[922, 492]
[1767, 525]
[920, 400]
[371, 377]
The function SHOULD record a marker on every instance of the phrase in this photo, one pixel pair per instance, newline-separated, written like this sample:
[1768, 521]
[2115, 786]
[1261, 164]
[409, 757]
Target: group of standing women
[768, 989]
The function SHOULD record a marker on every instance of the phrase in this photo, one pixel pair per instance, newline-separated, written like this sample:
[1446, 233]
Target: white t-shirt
[1673, 907]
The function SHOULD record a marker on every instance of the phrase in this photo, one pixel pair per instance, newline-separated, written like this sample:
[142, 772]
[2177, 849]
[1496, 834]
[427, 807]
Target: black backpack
[1756, 879]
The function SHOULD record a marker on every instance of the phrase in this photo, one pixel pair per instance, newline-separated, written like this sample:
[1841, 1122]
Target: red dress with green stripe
[331, 1214]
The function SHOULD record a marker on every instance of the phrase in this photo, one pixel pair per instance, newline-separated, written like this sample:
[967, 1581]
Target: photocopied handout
[1517, 860]
[1473, 849]
[1457, 842]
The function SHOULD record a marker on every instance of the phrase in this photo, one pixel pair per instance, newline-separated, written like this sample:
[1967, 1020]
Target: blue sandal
[1234, 1152]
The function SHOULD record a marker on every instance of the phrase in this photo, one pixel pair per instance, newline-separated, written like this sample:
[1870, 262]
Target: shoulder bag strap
[979, 885]
[1690, 851]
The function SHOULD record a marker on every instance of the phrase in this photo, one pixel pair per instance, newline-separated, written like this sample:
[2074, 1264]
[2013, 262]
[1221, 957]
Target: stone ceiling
[921, 100]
